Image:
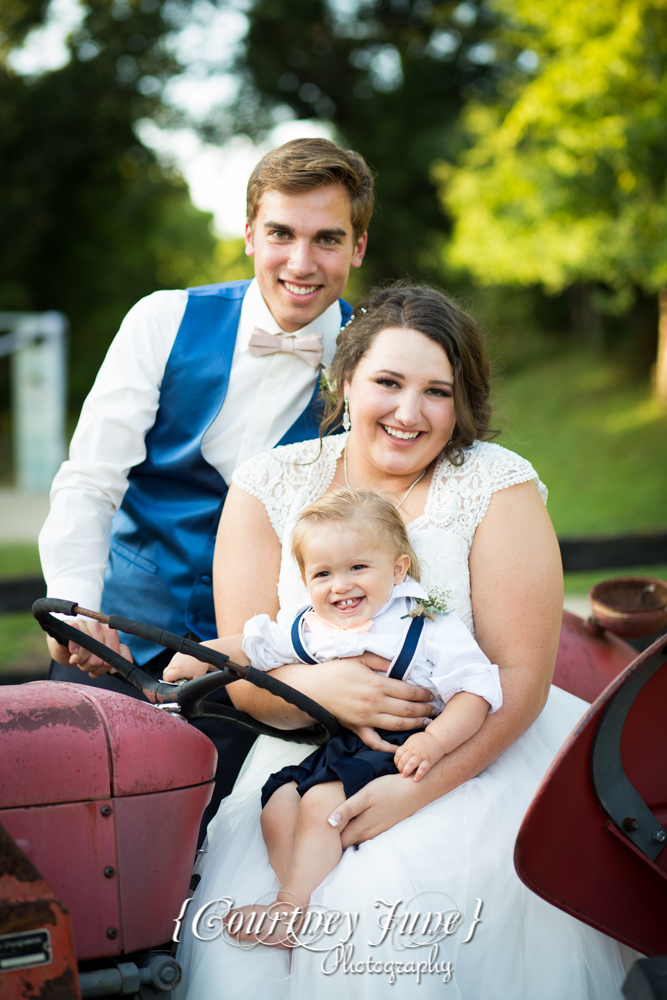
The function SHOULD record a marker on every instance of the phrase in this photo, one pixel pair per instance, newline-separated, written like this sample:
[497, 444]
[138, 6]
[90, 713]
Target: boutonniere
[327, 383]
[432, 606]
[328, 388]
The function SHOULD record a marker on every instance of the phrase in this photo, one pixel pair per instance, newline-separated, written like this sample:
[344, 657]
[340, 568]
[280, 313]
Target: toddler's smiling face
[348, 574]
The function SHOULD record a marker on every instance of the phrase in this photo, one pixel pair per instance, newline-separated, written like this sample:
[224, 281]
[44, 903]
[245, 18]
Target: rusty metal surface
[37, 960]
[71, 844]
[129, 771]
[148, 841]
[54, 747]
[71, 742]
[630, 606]
[150, 750]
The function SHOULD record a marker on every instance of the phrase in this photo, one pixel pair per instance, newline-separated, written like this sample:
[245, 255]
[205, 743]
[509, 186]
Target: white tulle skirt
[443, 860]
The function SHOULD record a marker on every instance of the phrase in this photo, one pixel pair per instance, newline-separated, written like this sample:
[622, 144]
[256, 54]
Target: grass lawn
[22, 647]
[581, 583]
[19, 560]
[596, 438]
[22, 642]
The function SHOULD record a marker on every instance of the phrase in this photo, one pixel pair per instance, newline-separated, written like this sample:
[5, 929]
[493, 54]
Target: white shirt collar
[409, 588]
[255, 312]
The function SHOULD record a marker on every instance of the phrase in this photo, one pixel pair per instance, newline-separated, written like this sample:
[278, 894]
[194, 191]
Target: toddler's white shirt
[447, 659]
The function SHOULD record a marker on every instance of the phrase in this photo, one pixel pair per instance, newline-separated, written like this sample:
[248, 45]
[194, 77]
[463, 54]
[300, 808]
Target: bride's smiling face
[401, 399]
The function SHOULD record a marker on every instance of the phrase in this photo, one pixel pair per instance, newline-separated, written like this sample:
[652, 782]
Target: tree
[392, 77]
[90, 220]
[564, 181]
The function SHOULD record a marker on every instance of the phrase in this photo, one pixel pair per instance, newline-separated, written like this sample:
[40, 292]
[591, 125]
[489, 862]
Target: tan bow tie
[309, 347]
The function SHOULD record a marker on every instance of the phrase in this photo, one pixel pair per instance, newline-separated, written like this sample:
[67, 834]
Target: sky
[217, 175]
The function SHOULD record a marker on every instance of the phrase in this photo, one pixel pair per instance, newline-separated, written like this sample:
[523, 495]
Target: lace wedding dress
[452, 858]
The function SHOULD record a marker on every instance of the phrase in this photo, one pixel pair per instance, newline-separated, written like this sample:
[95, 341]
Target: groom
[194, 383]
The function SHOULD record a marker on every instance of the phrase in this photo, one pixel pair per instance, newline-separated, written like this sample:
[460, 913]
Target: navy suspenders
[400, 666]
[297, 642]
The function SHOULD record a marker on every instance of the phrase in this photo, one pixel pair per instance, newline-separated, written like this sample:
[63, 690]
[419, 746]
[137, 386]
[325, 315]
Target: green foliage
[565, 178]
[392, 78]
[523, 327]
[227, 263]
[17, 17]
[91, 222]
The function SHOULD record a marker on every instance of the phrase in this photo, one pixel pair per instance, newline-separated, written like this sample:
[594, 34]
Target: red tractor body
[104, 794]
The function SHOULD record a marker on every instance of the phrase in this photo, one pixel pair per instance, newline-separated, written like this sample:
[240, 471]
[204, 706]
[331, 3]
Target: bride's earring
[346, 416]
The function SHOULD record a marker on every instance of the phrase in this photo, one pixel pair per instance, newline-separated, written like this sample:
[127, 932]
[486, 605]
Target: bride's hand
[359, 697]
[373, 739]
[354, 694]
[379, 805]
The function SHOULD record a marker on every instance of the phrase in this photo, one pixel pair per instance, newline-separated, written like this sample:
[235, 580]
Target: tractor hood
[73, 742]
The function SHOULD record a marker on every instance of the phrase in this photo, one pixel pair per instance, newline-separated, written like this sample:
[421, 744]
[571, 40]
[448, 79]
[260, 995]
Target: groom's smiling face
[303, 245]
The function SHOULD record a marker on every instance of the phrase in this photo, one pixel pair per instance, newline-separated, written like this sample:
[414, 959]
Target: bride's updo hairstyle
[429, 312]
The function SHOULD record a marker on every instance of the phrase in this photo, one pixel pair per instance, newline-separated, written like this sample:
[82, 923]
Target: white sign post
[38, 345]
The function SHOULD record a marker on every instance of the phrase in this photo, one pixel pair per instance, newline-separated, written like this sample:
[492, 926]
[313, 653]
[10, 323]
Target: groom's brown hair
[305, 164]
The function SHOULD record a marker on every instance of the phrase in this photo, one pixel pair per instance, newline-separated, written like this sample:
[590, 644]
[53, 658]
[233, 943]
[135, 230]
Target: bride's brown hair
[429, 312]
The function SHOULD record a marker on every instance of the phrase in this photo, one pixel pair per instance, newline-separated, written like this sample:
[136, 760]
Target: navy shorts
[344, 758]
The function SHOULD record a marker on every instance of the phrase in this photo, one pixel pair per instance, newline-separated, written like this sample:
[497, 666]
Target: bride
[430, 897]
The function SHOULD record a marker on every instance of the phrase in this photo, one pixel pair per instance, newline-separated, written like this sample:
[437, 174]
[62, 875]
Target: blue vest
[163, 535]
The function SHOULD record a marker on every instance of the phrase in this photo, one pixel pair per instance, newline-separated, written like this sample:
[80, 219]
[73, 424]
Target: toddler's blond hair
[356, 507]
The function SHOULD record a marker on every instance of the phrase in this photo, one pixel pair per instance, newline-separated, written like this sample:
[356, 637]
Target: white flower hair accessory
[353, 315]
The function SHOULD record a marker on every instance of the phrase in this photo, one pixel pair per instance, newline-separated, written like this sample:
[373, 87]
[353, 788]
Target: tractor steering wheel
[186, 699]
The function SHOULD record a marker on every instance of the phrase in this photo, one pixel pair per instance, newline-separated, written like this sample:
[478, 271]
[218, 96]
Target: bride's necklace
[403, 498]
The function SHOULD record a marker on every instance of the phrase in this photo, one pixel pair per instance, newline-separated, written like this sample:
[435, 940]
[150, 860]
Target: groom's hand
[76, 656]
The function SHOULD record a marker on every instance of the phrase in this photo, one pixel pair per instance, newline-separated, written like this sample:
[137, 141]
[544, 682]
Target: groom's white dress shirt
[265, 397]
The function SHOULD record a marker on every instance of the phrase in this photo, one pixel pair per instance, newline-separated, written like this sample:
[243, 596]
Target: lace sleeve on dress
[287, 477]
[258, 477]
[503, 468]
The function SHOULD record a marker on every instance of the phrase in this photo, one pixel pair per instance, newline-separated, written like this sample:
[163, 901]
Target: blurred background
[520, 148]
